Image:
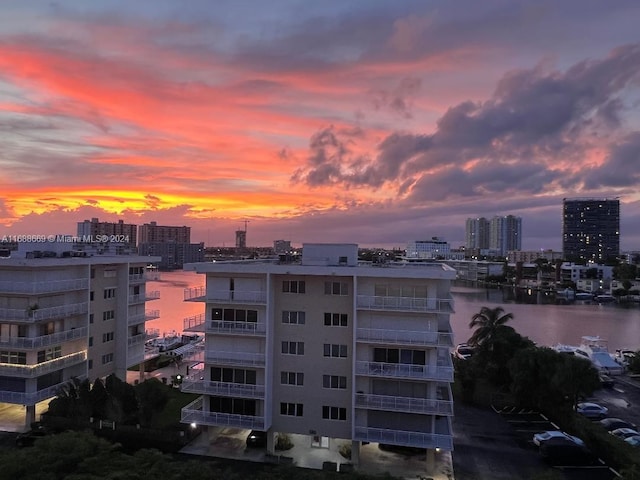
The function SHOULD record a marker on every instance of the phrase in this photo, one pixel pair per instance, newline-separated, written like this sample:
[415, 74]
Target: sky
[371, 122]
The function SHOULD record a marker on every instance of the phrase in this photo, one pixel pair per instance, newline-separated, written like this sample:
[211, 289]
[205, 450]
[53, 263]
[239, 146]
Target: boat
[597, 351]
[168, 341]
[584, 296]
[604, 298]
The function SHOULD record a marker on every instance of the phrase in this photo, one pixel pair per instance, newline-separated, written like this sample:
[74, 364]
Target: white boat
[584, 296]
[604, 298]
[597, 351]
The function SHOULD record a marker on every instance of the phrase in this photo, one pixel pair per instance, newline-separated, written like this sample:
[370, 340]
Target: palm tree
[489, 324]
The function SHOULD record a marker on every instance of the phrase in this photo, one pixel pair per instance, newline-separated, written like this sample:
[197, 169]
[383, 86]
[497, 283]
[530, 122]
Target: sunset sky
[372, 122]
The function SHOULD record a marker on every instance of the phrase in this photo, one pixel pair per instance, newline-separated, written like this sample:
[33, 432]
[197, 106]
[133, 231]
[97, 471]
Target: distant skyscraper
[124, 232]
[154, 233]
[505, 234]
[477, 233]
[590, 229]
[241, 239]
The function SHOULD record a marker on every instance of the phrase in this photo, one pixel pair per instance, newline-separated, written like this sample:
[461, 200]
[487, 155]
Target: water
[544, 322]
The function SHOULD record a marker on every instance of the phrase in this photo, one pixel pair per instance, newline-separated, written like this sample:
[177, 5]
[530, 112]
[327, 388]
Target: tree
[575, 377]
[152, 397]
[489, 323]
[531, 371]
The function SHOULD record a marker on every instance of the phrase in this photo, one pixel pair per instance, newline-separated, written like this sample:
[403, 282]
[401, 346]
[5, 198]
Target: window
[334, 413]
[110, 273]
[291, 409]
[108, 315]
[90, 364]
[238, 406]
[295, 318]
[336, 319]
[292, 378]
[336, 288]
[334, 381]
[15, 358]
[109, 293]
[395, 355]
[91, 318]
[49, 354]
[233, 375]
[335, 350]
[91, 341]
[93, 273]
[293, 348]
[91, 296]
[234, 315]
[293, 286]
[107, 337]
[108, 358]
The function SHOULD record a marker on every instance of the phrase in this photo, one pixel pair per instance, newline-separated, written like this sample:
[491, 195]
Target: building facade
[429, 249]
[505, 234]
[154, 233]
[590, 229]
[65, 316]
[326, 348]
[477, 234]
[120, 232]
[173, 255]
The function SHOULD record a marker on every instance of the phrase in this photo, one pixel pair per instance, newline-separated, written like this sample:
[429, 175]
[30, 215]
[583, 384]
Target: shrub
[283, 442]
[345, 450]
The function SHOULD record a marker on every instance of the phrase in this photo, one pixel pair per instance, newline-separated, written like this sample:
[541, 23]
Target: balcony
[44, 340]
[404, 304]
[194, 323]
[137, 278]
[31, 398]
[200, 294]
[404, 438]
[30, 371]
[402, 370]
[194, 413]
[235, 358]
[137, 339]
[404, 337]
[404, 404]
[193, 384]
[152, 333]
[39, 288]
[237, 328]
[47, 313]
[144, 297]
[143, 317]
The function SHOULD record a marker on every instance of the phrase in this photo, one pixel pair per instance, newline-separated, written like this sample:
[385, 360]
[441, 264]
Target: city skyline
[379, 123]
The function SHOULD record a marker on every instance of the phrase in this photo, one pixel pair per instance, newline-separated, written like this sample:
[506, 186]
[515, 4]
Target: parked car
[606, 381]
[542, 437]
[633, 441]
[463, 351]
[560, 451]
[625, 432]
[592, 410]
[27, 439]
[611, 424]
[256, 439]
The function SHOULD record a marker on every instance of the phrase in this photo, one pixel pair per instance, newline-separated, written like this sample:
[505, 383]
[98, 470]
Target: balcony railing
[194, 323]
[31, 398]
[137, 339]
[237, 328]
[46, 313]
[235, 358]
[193, 384]
[152, 333]
[144, 297]
[44, 340]
[38, 288]
[144, 317]
[404, 438]
[200, 294]
[38, 369]
[404, 404]
[402, 370]
[407, 304]
[404, 337]
[194, 413]
[143, 277]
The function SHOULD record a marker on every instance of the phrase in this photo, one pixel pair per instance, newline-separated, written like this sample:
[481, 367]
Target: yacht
[597, 351]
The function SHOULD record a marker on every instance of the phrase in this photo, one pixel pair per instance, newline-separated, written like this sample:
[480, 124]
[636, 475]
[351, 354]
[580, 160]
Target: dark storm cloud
[534, 119]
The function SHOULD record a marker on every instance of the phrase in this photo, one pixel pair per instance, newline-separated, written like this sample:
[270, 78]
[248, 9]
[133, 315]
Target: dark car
[606, 381]
[558, 451]
[611, 424]
[27, 439]
[256, 439]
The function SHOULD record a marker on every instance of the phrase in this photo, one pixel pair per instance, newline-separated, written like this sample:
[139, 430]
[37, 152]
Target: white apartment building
[326, 348]
[65, 314]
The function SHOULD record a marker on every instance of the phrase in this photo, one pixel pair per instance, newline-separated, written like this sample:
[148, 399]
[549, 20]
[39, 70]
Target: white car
[592, 410]
[540, 438]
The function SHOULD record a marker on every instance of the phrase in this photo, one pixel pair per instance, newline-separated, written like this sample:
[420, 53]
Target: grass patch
[170, 415]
